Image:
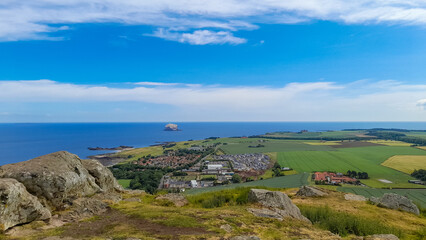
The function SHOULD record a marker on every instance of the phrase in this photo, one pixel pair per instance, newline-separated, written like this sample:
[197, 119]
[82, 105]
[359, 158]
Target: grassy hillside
[203, 217]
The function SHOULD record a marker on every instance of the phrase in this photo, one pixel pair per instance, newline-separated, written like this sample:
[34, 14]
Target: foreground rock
[382, 237]
[395, 201]
[103, 176]
[353, 197]
[245, 238]
[177, 199]
[56, 179]
[17, 206]
[277, 204]
[307, 191]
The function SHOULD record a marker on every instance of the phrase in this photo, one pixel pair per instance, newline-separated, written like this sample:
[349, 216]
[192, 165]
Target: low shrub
[238, 196]
[344, 223]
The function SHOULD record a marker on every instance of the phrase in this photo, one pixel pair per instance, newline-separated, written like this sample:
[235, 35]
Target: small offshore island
[350, 184]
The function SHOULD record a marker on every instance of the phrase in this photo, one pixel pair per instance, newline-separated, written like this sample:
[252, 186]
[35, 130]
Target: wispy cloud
[196, 21]
[199, 37]
[313, 101]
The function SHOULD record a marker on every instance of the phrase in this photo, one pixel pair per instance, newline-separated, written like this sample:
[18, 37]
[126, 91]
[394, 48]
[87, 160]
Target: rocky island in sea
[171, 127]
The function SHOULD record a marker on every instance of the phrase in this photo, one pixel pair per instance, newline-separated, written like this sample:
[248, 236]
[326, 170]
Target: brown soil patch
[355, 144]
[114, 218]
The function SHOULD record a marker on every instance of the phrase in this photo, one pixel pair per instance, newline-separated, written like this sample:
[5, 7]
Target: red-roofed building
[332, 178]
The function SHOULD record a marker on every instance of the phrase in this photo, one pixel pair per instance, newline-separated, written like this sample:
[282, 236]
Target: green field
[416, 134]
[271, 146]
[125, 183]
[418, 196]
[363, 159]
[291, 181]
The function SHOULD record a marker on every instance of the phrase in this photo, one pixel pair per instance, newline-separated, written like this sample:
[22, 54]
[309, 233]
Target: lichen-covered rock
[245, 238]
[56, 179]
[177, 199]
[382, 237]
[18, 206]
[353, 197]
[307, 191]
[395, 201]
[84, 208]
[103, 176]
[276, 201]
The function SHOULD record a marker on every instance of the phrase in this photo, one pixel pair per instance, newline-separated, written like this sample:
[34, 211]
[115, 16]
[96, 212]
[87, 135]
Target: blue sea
[23, 141]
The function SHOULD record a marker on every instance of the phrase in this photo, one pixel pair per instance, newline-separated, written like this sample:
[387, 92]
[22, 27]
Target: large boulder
[103, 176]
[307, 191]
[18, 206]
[395, 201]
[381, 237]
[56, 179]
[276, 201]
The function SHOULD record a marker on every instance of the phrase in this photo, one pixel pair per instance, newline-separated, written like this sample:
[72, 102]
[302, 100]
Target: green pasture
[416, 134]
[291, 181]
[418, 196]
[125, 183]
[271, 146]
[362, 159]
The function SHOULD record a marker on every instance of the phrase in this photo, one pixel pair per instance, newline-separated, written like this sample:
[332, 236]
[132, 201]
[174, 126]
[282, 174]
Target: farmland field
[125, 183]
[291, 181]
[418, 196]
[271, 146]
[363, 159]
[391, 143]
[417, 134]
[406, 164]
[308, 135]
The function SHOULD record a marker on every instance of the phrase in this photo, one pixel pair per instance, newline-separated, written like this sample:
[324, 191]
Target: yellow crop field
[406, 163]
[391, 143]
[323, 143]
[423, 148]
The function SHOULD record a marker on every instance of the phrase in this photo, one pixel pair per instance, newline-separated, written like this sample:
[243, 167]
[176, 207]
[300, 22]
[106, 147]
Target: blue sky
[95, 61]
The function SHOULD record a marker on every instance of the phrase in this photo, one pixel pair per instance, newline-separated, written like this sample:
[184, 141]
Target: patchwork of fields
[271, 146]
[363, 159]
[418, 196]
[291, 181]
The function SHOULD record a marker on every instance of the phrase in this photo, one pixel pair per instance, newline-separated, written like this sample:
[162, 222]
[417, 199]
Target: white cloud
[199, 37]
[156, 84]
[422, 103]
[313, 101]
[196, 21]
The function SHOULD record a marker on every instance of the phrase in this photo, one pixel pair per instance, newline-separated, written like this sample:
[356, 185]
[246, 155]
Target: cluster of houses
[332, 178]
[247, 162]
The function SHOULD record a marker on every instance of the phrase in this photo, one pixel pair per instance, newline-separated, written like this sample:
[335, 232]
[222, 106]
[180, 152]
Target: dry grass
[406, 163]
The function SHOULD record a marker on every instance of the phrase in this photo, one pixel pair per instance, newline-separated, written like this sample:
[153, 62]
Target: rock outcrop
[177, 199]
[103, 176]
[395, 201]
[353, 197]
[56, 179]
[18, 206]
[381, 237]
[31, 190]
[307, 191]
[276, 202]
[171, 127]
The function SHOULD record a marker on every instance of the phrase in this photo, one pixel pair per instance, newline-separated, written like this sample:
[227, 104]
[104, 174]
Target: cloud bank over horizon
[363, 100]
[196, 22]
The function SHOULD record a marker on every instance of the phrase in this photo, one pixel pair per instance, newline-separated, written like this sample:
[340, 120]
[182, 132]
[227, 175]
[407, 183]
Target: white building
[194, 183]
[214, 166]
